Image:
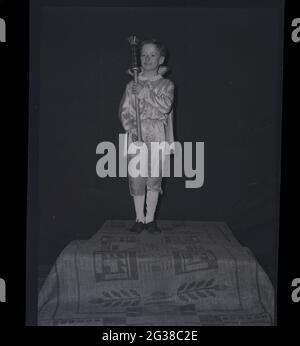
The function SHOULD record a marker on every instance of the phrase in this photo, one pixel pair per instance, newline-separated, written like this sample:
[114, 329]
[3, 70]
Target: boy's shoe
[152, 227]
[138, 227]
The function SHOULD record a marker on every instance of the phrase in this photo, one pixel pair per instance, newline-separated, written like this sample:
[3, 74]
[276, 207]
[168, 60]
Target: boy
[155, 95]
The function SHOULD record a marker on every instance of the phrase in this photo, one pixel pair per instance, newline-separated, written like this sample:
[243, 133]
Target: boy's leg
[137, 187]
[137, 191]
[153, 184]
[139, 202]
[153, 190]
[151, 203]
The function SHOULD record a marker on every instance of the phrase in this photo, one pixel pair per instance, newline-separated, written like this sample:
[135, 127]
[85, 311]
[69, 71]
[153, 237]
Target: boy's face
[150, 57]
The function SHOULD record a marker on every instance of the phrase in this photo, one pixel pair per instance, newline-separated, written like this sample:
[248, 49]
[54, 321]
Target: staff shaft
[137, 109]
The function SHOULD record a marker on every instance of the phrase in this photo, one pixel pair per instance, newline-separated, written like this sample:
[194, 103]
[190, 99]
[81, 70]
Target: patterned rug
[192, 274]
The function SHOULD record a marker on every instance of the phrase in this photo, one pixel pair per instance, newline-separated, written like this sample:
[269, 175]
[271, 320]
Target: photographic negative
[144, 248]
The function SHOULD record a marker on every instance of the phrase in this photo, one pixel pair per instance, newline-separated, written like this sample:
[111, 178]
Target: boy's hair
[159, 45]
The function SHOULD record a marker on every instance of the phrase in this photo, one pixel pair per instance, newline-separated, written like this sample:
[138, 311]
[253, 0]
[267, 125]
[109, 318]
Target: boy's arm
[162, 100]
[126, 114]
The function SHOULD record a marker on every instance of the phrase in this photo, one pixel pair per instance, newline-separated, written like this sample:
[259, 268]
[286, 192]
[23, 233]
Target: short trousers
[138, 185]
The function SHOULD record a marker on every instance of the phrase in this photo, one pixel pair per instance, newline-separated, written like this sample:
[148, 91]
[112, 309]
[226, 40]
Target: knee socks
[151, 203]
[139, 202]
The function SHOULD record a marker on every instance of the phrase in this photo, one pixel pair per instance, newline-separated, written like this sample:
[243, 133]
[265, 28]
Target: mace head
[133, 40]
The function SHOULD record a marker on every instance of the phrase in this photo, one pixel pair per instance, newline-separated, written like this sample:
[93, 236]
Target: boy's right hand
[134, 137]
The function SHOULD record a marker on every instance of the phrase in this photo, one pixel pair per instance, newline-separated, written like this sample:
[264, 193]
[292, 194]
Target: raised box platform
[193, 273]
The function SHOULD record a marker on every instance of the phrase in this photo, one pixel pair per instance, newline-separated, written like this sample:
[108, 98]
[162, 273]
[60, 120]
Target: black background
[228, 77]
[14, 111]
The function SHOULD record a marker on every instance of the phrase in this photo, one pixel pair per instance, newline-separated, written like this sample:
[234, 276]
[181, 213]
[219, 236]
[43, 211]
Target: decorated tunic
[155, 105]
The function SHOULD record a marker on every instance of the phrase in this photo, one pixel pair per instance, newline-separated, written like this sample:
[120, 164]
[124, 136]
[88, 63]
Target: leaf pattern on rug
[197, 290]
[122, 298]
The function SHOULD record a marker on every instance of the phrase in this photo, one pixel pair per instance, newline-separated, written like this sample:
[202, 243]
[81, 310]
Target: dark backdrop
[227, 67]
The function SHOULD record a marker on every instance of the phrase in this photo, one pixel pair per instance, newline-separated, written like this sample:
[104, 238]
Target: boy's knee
[154, 185]
[154, 189]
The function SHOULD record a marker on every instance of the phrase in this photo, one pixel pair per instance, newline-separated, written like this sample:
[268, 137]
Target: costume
[156, 114]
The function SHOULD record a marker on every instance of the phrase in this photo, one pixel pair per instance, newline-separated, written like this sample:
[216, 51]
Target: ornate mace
[133, 41]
